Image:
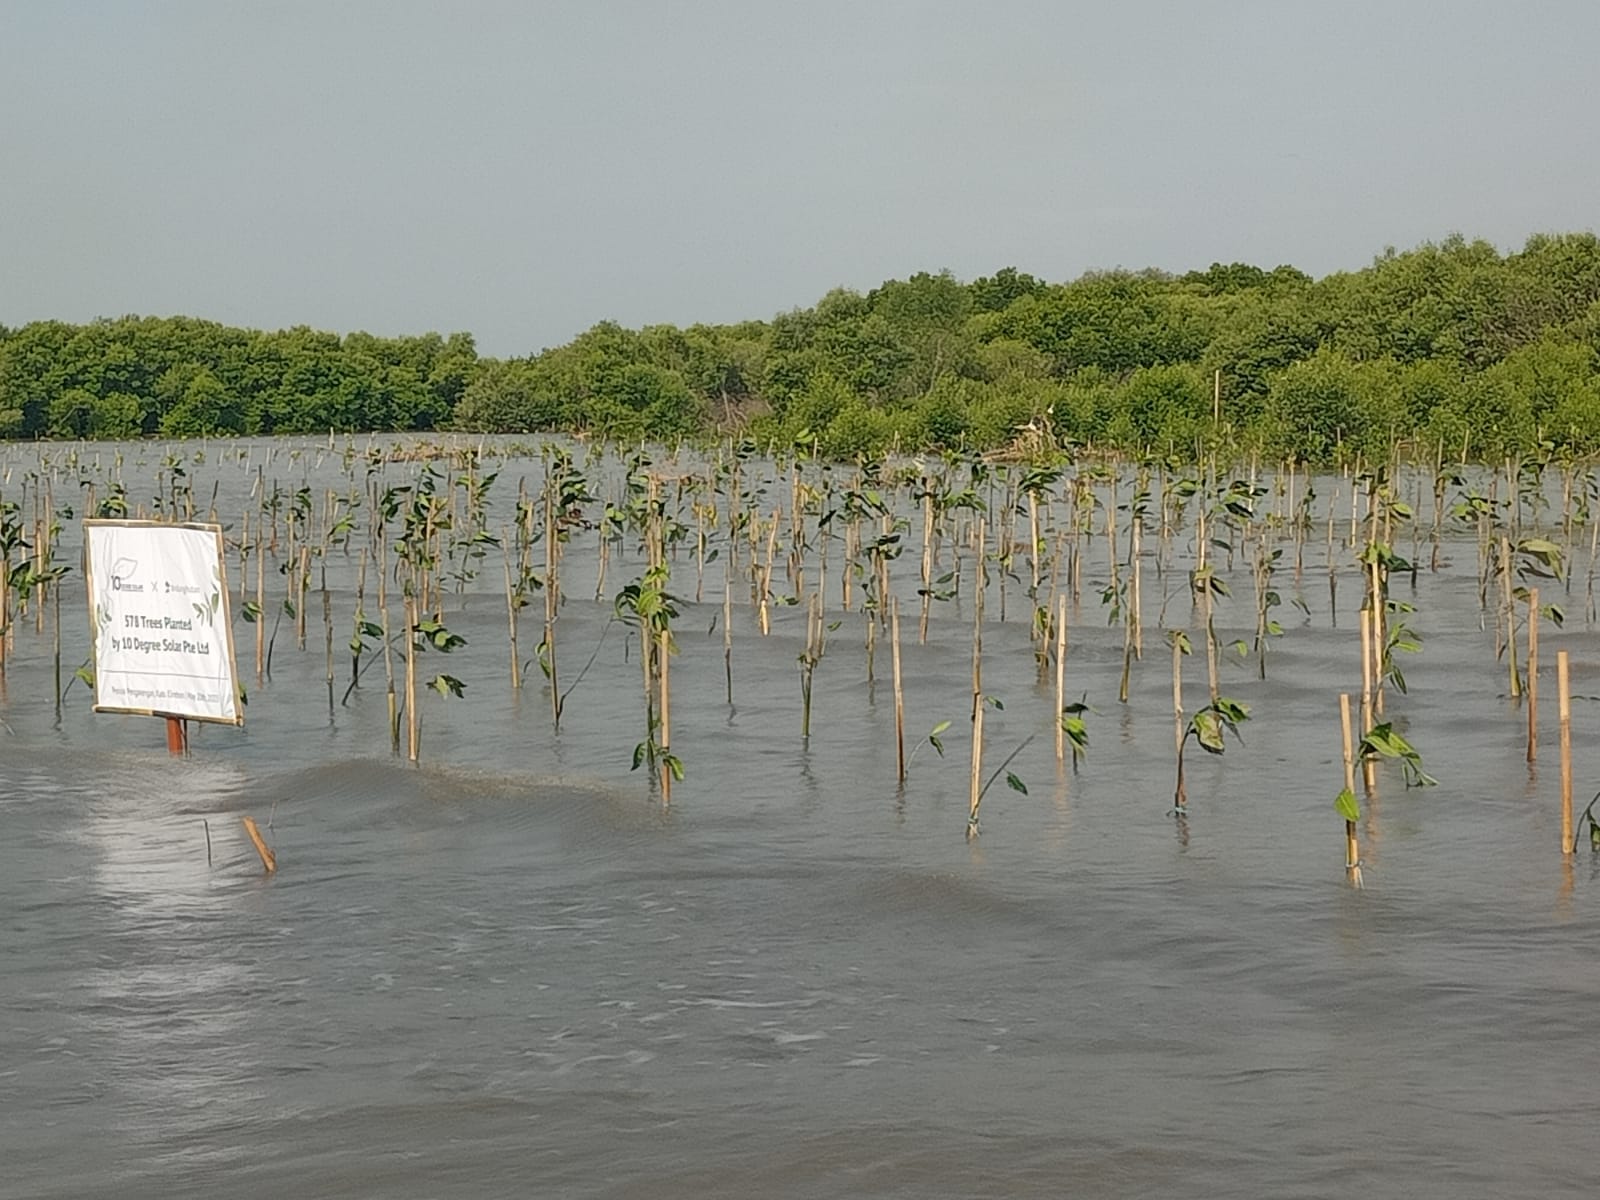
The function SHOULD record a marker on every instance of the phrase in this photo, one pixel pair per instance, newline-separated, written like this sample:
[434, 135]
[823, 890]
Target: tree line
[1453, 346]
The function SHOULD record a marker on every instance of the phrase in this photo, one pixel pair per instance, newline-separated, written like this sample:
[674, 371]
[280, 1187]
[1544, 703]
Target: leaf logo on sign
[121, 573]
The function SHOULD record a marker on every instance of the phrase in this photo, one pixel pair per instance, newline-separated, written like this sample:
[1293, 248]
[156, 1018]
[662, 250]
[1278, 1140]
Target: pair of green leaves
[1383, 742]
[433, 634]
[1219, 717]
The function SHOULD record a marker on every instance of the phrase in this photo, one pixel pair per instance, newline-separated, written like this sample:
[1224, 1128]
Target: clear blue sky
[522, 170]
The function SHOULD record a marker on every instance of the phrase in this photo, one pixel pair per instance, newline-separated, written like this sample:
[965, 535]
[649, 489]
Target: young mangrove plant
[1075, 730]
[1207, 728]
[1592, 824]
[1382, 742]
[647, 606]
[1013, 781]
[426, 633]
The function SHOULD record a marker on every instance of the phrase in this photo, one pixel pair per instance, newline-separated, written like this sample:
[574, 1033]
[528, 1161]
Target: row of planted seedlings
[1022, 530]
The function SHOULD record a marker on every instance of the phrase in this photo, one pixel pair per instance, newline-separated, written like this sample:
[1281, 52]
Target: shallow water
[513, 971]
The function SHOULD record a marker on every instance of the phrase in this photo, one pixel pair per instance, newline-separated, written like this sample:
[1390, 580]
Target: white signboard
[158, 605]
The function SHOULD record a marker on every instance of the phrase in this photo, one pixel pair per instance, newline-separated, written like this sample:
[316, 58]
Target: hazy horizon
[523, 171]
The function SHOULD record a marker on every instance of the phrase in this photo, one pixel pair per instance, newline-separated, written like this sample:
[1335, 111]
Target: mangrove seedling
[1013, 781]
[1382, 741]
[1346, 806]
[1076, 731]
[1207, 727]
[1588, 820]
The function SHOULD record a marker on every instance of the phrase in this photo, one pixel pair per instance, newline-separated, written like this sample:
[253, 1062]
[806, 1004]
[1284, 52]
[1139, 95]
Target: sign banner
[158, 606]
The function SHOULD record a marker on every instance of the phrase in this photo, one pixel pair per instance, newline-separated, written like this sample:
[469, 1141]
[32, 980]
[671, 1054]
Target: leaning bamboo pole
[268, 859]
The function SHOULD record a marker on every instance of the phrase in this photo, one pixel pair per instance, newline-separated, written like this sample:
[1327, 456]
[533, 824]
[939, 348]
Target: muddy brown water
[512, 971]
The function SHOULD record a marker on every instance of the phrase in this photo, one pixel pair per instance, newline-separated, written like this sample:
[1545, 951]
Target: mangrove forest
[1453, 348]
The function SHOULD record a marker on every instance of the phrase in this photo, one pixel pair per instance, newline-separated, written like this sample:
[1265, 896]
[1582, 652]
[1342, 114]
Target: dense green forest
[1452, 347]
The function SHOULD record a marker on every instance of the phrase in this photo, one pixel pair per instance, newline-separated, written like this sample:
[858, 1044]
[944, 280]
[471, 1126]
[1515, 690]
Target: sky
[523, 170]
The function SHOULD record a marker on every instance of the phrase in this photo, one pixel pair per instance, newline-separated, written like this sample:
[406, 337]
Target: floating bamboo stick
[268, 859]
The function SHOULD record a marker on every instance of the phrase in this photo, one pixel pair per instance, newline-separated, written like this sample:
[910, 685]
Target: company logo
[120, 570]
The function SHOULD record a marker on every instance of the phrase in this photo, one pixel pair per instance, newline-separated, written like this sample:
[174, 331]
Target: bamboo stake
[1061, 679]
[766, 576]
[975, 783]
[899, 696]
[302, 585]
[665, 654]
[261, 604]
[413, 732]
[1533, 674]
[327, 632]
[511, 616]
[1180, 795]
[552, 598]
[1368, 770]
[1376, 611]
[1564, 700]
[1136, 607]
[1352, 847]
[727, 625]
[1511, 617]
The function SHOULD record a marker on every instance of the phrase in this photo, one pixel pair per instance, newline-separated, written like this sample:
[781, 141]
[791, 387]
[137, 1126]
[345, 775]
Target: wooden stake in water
[665, 655]
[1533, 674]
[413, 731]
[1352, 847]
[975, 783]
[899, 696]
[261, 604]
[511, 615]
[1511, 618]
[1368, 771]
[1564, 701]
[727, 624]
[1061, 679]
[552, 599]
